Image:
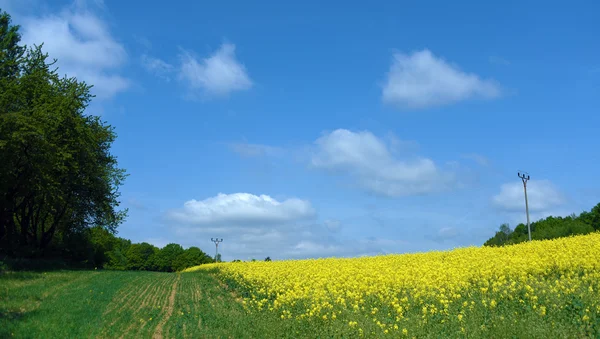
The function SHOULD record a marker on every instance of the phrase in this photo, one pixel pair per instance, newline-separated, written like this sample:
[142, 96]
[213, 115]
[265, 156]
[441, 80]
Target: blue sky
[340, 129]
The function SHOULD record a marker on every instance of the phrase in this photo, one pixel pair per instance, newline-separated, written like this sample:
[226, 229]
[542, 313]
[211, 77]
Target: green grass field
[112, 304]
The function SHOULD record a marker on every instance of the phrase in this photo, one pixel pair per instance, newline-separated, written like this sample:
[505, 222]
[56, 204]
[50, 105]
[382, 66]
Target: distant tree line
[252, 260]
[548, 228]
[115, 253]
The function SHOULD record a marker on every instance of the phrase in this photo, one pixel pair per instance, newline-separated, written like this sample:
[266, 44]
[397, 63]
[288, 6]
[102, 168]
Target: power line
[525, 177]
[216, 241]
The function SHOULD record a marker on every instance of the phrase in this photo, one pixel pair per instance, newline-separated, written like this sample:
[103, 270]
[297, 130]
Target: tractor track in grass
[124, 294]
[133, 309]
[168, 312]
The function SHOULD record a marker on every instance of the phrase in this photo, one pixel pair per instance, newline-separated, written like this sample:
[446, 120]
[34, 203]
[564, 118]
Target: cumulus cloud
[542, 196]
[368, 159]
[257, 226]
[84, 47]
[242, 208]
[218, 75]
[421, 80]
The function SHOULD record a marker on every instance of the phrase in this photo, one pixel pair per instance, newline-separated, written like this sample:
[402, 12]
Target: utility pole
[216, 241]
[524, 177]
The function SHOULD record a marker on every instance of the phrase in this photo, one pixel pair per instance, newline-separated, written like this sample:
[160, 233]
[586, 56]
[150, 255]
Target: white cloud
[421, 80]
[84, 47]
[542, 196]
[157, 67]
[242, 208]
[254, 226]
[368, 159]
[217, 75]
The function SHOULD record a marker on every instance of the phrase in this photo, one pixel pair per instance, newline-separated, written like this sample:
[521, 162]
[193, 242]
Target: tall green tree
[57, 176]
[139, 256]
[165, 259]
[117, 257]
[192, 256]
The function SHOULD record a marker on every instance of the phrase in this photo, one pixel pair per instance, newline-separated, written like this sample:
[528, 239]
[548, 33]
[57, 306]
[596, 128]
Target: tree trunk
[47, 236]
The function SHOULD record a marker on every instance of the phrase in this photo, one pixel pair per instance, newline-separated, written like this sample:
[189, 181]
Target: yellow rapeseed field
[550, 285]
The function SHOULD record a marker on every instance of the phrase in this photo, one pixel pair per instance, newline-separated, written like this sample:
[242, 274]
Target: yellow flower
[405, 285]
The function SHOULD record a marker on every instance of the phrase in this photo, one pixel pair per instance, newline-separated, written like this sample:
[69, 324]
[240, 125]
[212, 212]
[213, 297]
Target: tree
[501, 237]
[139, 256]
[268, 259]
[117, 257]
[218, 257]
[592, 217]
[57, 176]
[548, 228]
[164, 259]
[192, 256]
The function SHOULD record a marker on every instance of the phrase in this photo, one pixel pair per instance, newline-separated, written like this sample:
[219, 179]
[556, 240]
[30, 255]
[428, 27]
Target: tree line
[57, 175]
[548, 228]
[115, 253]
[59, 182]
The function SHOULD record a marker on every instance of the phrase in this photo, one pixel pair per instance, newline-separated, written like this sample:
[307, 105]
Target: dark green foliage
[58, 178]
[165, 258]
[117, 255]
[549, 228]
[193, 256]
[141, 257]
[59, 183]
[268, 259]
